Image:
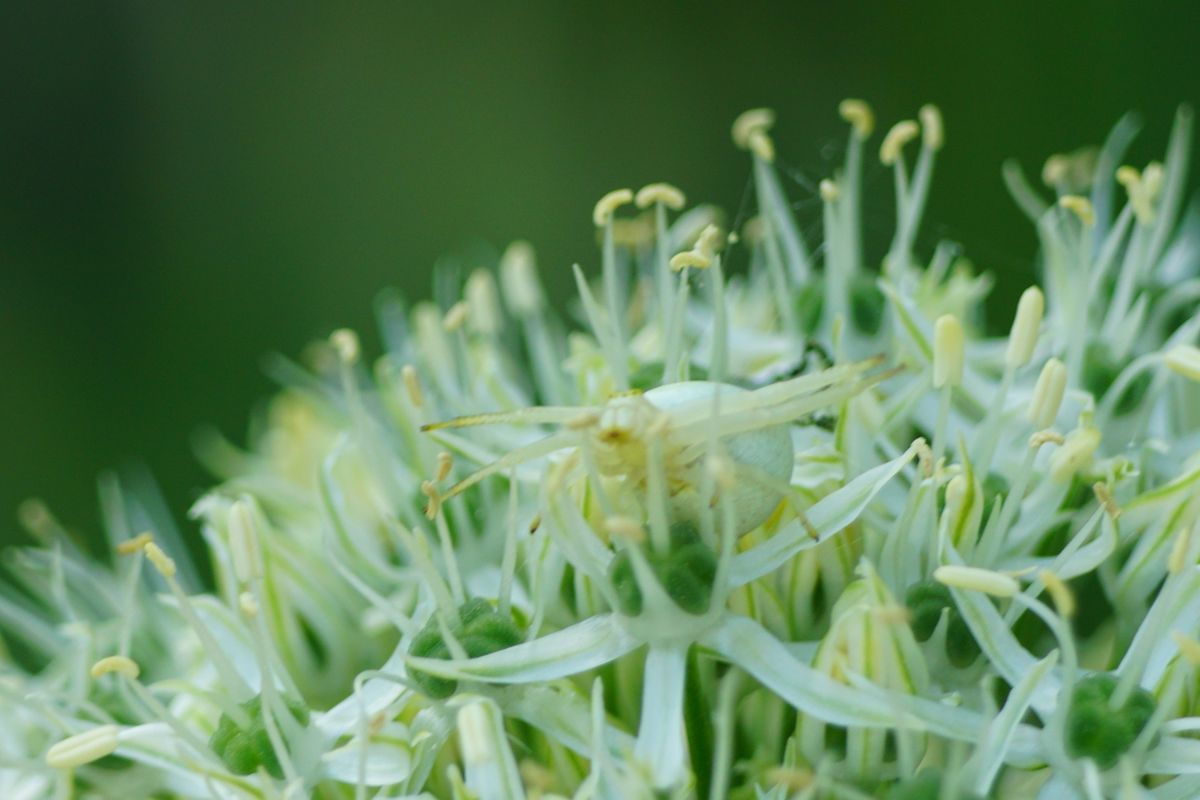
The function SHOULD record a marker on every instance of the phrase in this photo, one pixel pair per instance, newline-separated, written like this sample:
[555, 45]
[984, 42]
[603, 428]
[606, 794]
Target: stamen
[1054, 171]
[244, 548]
[161, 561]
[135, 545]
[445, 463]
[859, 115]
[225, 669]
[1080, 207]
[901, 134]
[602, 213]
[829, 190]
[345, 342]
[690, 258]
[412, 385]
[121, 665]
[1184, 359]
[247, 604]
[83, 748]
[456, 317]
[748, 123]
[1189, 648]
[660, 193]
[481, 297]
[933, 136]
[976, 579]
[1048, 394]
[1075, 453]
[518, 280]
[1063, 597]
[1022, 338]
[1107, 501]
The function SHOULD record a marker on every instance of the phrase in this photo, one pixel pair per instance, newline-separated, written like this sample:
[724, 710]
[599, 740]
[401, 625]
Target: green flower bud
[866, 304]
[1098, 731]
[480, 630]
[926, 600]
[809, 304]
[244, 750]
[686, 573]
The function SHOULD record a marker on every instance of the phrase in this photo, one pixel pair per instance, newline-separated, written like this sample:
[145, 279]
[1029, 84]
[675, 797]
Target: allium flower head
[750, 516]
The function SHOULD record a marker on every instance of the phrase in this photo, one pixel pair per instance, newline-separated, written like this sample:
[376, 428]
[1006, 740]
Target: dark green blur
[185, 187]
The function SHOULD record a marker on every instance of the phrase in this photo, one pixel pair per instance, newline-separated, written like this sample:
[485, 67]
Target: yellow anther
[762, 146]
[859, 115]
[121, 665]
[748, 123]
[924, 456]
[1142, 188]
[1106, 500]
[1188, 647]
[1061, 595]
[445, 462]
[412, 385]
[434, 506]
[1184, 359]
[247, 604]
[933, 133]
[602, 213]
[1054, 171]
[1079, 206]
[829, 190]
[690, 258]
[976, 579]
[161, 561]
[455, 317]
[663, 193]
[901, 134]
[1045, 437]
[345, 342]
[134, 545]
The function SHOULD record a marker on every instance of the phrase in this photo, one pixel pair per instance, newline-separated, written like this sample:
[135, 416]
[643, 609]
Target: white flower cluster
[794, 530]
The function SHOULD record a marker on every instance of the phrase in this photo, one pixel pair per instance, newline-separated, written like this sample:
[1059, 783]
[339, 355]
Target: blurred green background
[187, 186]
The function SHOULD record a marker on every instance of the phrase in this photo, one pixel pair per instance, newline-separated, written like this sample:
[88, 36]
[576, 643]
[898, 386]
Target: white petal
[576, 649]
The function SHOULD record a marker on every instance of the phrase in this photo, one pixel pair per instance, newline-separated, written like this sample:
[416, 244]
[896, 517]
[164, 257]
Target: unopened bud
[244, 549]
[83, 748]
[1184, 359]
[1075, 454]
[947, 351]
[1048, 394]
[1022, 339]
[975, 579]
[518, 279]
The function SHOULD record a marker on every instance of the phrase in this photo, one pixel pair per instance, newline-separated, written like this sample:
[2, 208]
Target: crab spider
[639, 443]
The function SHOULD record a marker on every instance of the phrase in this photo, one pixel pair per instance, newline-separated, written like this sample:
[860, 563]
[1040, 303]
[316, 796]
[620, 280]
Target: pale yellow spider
[669, 431]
